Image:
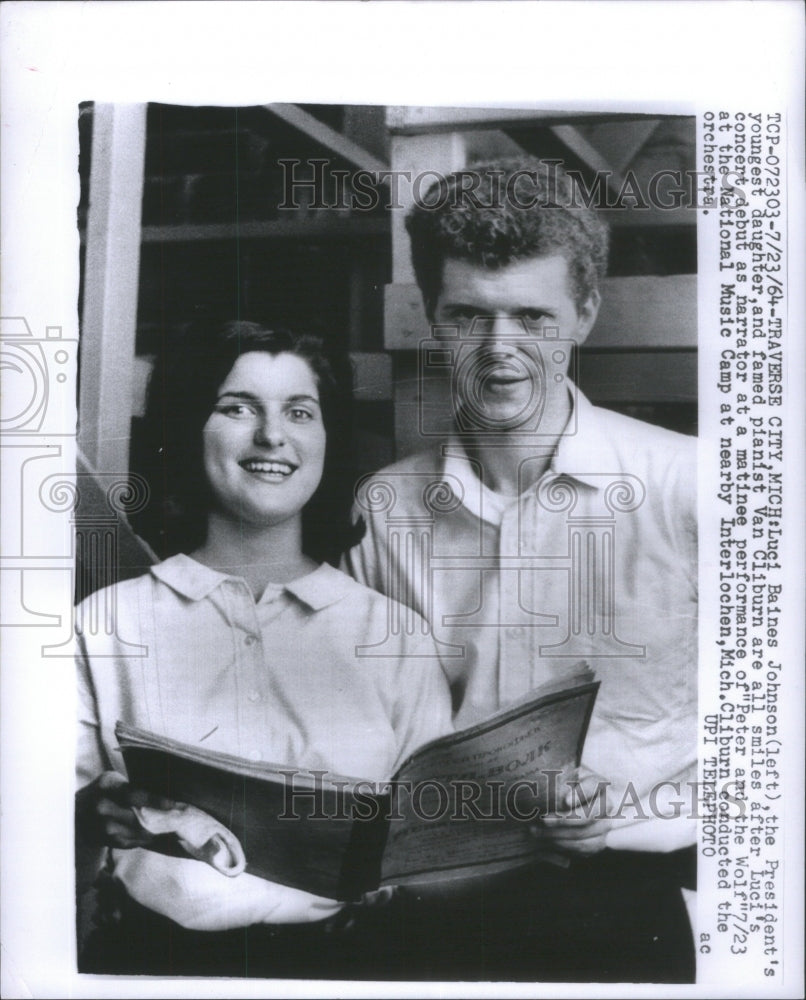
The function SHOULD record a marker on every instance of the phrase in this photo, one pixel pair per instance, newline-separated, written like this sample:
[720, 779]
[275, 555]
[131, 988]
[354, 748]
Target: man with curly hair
[566, 532]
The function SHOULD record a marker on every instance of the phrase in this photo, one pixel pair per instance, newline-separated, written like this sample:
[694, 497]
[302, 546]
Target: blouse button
[253, 695]
[250, 640]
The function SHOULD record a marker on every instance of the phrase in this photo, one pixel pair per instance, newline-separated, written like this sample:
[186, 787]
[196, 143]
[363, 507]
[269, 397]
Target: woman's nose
[269, 431]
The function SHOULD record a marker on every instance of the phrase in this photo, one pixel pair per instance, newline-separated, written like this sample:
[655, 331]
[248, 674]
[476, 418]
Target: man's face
[511, 317]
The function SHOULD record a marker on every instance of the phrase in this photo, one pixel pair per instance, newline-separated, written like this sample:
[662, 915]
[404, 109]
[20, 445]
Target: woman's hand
[105, 816]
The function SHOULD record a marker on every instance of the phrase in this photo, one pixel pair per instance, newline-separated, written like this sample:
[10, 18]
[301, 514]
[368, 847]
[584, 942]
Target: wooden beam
[638, 376]
[323, 225]
[406, 120]
[109, 321]
[327, 136]
[490, 144]
[620, 142]
[416, 155]
[422, 158]
[636, 313]
[423, 411]
[372, 376]
[571, 137]
[647, 312]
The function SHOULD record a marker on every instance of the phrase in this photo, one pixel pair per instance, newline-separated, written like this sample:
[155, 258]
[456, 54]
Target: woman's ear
[586, 316]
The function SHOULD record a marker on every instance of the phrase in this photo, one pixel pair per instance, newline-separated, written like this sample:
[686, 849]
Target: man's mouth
[505, 378]
[273, 469]
[502, 372]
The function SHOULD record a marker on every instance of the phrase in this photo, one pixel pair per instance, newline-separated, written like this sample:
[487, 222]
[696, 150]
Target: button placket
[537, 582]
[514, 667]
[251, 709]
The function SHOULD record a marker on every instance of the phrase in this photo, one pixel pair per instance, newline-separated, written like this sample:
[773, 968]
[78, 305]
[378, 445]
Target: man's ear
[586, 316]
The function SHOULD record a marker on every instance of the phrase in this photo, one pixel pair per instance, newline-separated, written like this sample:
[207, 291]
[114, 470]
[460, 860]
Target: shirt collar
[585, 450]
[187, 577]
[479, 499]
[321, 588]
[318, 589]
[583, 453]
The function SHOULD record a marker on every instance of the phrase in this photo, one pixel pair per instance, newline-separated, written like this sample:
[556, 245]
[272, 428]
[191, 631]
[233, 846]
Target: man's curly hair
[502, 211]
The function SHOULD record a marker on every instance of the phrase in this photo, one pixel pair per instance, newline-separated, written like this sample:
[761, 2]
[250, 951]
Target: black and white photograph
[399, 537]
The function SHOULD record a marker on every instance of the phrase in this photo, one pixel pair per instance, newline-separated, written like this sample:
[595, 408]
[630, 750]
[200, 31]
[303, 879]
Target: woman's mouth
[272, 470]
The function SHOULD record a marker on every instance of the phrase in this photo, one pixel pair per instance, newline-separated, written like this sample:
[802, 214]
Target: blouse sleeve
[423, 705]
[91, 759]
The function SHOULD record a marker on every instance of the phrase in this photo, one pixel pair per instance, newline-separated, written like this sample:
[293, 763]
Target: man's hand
[582, 820]
[104, 812]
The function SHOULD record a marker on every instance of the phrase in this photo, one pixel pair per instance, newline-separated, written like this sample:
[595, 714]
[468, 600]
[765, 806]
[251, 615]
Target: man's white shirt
[595, 561]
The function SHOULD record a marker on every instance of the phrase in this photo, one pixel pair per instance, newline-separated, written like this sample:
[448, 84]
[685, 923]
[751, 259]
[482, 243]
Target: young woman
[244, 640]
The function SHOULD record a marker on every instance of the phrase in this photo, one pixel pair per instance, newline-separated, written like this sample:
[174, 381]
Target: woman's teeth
[273, 468]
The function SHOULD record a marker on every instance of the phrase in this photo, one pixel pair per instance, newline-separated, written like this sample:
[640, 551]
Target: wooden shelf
[321, 227]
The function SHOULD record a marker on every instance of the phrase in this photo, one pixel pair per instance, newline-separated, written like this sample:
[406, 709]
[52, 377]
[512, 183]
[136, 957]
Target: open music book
[460, 805]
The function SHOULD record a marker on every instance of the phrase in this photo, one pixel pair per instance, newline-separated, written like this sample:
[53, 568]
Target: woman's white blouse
[187, 652]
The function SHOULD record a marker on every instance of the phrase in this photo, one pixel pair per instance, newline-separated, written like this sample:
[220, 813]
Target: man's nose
[502, 332]
[269, 430]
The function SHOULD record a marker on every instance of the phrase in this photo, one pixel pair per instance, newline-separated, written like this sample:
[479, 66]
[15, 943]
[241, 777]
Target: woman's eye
[235, 410]
[300, 415]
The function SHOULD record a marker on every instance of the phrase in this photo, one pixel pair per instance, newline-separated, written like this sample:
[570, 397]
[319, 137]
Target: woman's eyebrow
[252, 398]
[303, 398]
[237, 394]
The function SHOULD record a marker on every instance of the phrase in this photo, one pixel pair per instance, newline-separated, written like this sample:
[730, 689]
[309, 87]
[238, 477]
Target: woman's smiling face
[264, 443]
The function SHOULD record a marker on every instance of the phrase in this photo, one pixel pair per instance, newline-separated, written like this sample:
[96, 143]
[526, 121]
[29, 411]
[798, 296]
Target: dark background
[215, 242]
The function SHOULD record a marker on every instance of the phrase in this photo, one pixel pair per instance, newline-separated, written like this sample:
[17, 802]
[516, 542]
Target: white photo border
[667, 57]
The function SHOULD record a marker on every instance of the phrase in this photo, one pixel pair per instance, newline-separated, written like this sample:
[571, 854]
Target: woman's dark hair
[181, 396]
